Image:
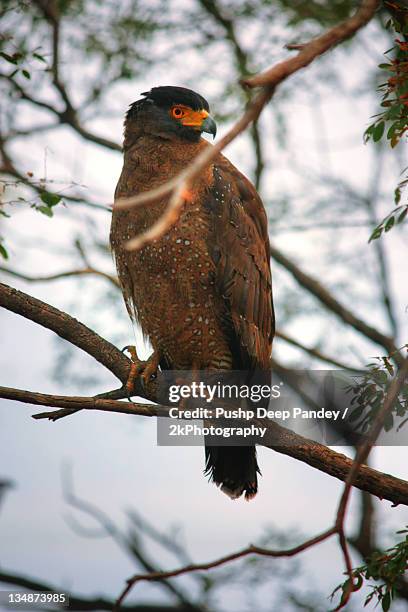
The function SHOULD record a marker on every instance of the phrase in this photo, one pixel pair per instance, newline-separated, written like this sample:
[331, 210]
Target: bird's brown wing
[241, 253]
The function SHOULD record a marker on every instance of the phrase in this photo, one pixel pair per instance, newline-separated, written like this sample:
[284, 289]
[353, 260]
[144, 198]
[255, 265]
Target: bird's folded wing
[241, 253]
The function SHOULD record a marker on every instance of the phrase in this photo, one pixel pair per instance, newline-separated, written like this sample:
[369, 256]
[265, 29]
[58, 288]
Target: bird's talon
[145, 370]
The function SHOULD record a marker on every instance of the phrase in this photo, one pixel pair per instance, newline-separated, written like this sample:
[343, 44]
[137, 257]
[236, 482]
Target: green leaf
[9, 58]
[50, 199]
[389, 224]
[388, 422]
[402, 216]
[369, 132]
[385, 66]
[378, 131]
[357, 413]
[3, 252]
[26, 74]
[376, 234]
[394, 111]
[39, 57]
[45, 210]
[386, 602]
[380, 377]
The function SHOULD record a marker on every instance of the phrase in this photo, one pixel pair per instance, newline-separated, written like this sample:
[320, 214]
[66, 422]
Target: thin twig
[325, 297]
[337, 528]
[59, 275]
[250, 550]
[314, 352]
[316, 47]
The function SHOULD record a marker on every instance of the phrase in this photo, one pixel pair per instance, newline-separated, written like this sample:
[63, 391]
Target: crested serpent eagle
[201, 292]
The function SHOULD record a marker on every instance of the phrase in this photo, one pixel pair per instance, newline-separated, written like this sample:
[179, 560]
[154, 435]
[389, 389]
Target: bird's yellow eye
[177, 112]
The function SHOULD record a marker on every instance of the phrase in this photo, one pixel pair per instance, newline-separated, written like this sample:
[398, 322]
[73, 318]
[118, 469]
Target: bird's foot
[145, 369]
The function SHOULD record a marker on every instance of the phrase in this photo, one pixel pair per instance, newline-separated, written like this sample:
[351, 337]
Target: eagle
[201, 292]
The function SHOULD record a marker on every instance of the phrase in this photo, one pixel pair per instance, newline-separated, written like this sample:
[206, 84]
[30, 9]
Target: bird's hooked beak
[209, 126]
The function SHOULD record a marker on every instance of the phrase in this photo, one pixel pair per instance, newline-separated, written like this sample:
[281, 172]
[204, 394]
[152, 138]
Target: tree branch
[326, 298]
[277, 438]
[73, 403]
[130, 543]
[242, 64]
[9, 168]
[250, 550]
[81, 604]
[312, 351]
[51, 277]
[309, 51]
[69, 115]
[68, 328]
[338, 527]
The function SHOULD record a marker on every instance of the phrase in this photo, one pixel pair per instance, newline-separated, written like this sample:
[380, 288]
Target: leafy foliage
[383, 567]
[393, 120]
[44, 202]
[395, 93]
[49, 201]
[19, 58]
[370, 392]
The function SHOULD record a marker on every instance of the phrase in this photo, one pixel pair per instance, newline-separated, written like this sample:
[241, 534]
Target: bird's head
[170, 112]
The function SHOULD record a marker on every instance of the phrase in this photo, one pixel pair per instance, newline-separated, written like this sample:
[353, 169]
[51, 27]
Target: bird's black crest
[169, 95]
[164, 97]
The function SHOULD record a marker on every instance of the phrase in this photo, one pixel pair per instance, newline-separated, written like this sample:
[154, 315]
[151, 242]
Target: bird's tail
[234, 469]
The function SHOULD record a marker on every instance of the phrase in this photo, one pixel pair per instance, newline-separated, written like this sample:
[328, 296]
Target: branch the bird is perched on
[355, 474]
[280, 439]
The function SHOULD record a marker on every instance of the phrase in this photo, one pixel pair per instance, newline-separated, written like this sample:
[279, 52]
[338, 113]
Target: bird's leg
[150, 367]
[144, 369]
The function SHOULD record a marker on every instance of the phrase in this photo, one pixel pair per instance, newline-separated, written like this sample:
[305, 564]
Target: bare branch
[277, 438]
[326, 298]
[68, 328]
[242, 65]
[313, 352]
[338, 527]
[126, 542]
[72, 404]
[316, 47]
[77, 603]
[250, 550]
[69, 273]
